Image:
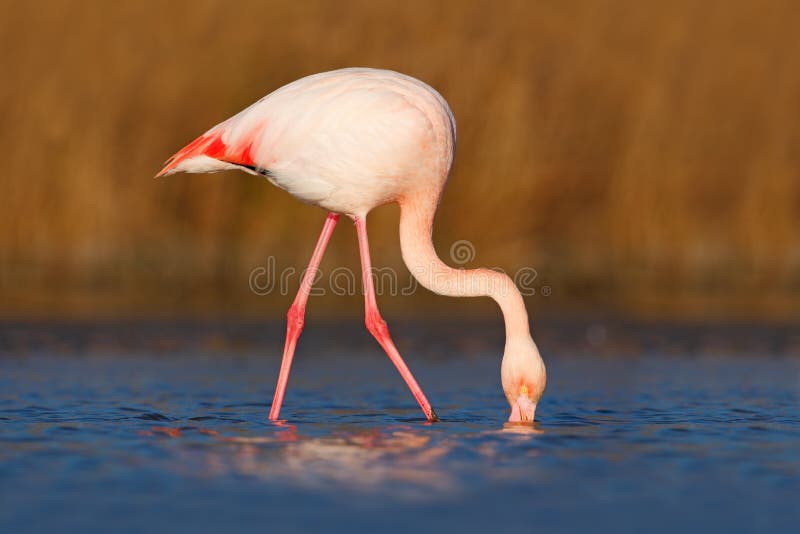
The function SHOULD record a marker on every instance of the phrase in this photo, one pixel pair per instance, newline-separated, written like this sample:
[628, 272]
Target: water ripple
[617, 435]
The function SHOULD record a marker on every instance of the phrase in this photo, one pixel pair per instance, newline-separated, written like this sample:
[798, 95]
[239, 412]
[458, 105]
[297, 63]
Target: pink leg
[377, 326]
[297, 312]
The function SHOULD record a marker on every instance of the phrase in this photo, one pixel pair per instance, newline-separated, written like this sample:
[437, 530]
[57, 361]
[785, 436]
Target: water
[148, 427]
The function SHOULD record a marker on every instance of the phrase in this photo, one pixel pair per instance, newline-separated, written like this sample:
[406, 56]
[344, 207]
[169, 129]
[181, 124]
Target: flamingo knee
[377, 326]
[295, 319]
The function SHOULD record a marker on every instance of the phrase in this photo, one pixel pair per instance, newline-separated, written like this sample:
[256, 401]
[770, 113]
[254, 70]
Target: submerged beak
[523, 410]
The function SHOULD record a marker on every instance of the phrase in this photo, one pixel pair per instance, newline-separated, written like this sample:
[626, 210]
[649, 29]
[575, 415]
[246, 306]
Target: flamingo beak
[523, 410]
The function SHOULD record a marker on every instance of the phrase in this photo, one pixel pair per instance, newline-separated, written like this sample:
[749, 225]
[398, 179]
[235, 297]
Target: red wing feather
[211, 144]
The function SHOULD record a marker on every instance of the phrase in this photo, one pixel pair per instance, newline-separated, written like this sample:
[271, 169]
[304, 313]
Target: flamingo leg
[377, 326]
[296, 315]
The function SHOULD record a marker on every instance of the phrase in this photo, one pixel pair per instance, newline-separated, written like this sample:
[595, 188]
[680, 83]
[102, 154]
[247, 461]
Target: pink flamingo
[348, 141]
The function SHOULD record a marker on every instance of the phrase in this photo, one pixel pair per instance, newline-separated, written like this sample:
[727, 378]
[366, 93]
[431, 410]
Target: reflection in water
[361, 460]
[523, 428]
[401, 460]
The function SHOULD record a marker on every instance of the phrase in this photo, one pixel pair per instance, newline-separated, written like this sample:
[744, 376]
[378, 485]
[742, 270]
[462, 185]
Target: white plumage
[346, 140]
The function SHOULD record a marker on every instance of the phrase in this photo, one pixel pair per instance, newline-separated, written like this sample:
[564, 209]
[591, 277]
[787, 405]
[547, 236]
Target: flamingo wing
[345, 140]
[223, 147]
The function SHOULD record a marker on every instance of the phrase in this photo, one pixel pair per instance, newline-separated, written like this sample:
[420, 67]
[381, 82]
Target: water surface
[150, 426]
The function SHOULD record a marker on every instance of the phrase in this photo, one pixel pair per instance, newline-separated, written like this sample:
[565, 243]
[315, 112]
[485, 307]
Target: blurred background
[642, 157]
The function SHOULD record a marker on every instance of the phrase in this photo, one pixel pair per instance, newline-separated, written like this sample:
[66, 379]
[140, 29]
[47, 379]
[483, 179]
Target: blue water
[153, 427]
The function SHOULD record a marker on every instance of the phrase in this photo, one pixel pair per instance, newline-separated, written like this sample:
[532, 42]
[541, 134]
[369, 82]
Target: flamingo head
[524, 378]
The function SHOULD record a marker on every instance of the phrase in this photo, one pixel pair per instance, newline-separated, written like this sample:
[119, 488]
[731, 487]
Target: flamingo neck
[416, 225]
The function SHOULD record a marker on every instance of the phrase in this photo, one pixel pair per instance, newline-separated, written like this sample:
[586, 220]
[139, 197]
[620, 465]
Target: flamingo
[348, 141]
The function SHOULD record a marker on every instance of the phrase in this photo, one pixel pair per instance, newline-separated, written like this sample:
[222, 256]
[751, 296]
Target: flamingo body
[348, 141]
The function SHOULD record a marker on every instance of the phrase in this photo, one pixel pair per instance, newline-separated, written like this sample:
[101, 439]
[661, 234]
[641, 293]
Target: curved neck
[416, 225]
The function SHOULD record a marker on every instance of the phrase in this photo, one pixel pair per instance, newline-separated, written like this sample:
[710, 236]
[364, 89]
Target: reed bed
[637, 154]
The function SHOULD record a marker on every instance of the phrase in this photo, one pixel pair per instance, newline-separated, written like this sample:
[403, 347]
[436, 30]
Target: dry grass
[644, 153]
